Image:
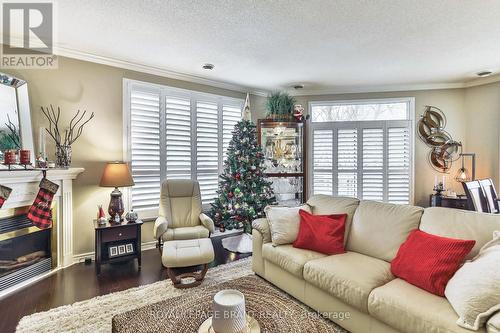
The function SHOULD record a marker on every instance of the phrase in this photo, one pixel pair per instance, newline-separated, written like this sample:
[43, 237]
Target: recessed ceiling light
[208, 66]
[298, 86]
[484, 73]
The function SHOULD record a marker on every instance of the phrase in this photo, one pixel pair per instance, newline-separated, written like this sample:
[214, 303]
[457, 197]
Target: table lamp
[116, 174]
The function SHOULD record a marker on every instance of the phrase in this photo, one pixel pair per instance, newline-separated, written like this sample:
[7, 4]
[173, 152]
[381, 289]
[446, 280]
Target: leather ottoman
[187, 253]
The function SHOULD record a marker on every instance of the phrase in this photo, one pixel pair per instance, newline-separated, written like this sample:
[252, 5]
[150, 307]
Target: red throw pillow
[429, 261]
[321, 233]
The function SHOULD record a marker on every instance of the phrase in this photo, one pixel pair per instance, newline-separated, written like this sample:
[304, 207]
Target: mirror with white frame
[15, 116]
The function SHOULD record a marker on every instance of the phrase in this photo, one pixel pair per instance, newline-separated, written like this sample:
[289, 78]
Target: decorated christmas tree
[243, 192]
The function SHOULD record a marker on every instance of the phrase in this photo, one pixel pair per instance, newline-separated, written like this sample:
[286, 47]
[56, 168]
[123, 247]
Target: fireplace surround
[47, 250]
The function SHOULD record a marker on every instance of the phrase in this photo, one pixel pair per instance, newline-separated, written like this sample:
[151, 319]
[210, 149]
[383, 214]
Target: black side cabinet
[460, 202]
[117, 242]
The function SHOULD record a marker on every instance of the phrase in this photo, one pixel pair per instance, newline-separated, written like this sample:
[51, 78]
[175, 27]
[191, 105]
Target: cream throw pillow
[284, 223]
[474, 290]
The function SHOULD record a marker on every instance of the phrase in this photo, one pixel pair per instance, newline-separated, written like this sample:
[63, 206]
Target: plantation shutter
[399, 165]
[178, 140]
[322, 161]
[207, 149]
[231, 114]
[373, 164]
[347, 162]
[145, 149]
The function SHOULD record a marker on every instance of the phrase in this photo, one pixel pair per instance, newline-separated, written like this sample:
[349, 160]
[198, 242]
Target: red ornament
[230, 194]
[238, 176]
[101, 213]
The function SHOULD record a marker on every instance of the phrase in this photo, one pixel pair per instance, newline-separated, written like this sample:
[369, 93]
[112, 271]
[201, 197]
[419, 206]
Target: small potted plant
[280, 106]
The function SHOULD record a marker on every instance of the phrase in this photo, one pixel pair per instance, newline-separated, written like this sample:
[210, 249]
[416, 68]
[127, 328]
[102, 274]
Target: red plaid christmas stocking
[40, 211]
[4, 194]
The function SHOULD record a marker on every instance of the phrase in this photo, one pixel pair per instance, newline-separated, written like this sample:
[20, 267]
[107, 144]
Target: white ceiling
[324, 44]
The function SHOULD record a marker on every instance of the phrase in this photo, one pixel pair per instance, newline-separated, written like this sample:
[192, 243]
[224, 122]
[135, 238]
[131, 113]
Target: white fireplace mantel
[24, 186]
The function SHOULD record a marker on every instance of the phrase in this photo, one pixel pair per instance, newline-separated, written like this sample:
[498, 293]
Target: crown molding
[159, 71]
[377, 89]
[482, 81]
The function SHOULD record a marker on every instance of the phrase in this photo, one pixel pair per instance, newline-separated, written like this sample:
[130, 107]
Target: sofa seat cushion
[196, 232]
[413, 310]
[289, 258]
[350, 276]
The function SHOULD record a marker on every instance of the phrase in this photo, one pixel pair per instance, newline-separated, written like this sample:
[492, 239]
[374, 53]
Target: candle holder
[24, 157]
[9, 157]
[439, 189]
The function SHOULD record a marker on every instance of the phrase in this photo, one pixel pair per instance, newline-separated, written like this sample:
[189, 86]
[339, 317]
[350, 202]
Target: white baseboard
[81, 257]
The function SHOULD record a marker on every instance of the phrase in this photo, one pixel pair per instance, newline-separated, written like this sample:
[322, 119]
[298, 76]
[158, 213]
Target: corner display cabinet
[283, 144]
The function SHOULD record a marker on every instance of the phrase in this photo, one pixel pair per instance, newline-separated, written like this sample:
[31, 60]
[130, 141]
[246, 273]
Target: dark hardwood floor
[79, 282]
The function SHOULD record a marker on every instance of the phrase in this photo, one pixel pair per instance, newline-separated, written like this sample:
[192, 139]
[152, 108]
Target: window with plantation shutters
[363, 149]
[175, 134]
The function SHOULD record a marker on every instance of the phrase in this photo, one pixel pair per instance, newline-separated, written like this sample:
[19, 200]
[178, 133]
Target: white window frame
[335, 125]
[163, 90]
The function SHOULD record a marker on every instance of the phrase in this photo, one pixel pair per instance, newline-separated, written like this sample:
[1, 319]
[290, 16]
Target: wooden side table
[117, 242]
[460, 202]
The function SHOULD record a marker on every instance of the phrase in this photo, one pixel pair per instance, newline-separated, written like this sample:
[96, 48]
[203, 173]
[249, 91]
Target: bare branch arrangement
[75, 126]
[14, 133]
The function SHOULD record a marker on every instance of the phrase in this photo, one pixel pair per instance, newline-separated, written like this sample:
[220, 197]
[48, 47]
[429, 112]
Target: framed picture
[113, 251]
[129, 248]
[121, 249]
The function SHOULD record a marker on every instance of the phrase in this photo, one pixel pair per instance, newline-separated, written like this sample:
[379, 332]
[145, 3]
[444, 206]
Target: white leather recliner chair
[180, 215]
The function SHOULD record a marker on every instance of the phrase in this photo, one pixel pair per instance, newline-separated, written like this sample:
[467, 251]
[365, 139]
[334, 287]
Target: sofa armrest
[493, 325]
[207, 222]
[160, 227]
[262, 226]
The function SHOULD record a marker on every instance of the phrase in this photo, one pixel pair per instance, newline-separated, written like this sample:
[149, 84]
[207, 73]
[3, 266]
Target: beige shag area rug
[94, 315]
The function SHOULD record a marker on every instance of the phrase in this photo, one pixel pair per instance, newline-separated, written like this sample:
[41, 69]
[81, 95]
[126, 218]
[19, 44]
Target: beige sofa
[359, 283]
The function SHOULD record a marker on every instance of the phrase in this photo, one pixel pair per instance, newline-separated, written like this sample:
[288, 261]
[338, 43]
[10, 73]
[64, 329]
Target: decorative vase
[229, 315]
[131, 216]
[63, 156]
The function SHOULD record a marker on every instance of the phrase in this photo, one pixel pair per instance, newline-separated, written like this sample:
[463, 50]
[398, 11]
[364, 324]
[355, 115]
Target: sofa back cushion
[322, 204]
[461, 224]
[378, 229]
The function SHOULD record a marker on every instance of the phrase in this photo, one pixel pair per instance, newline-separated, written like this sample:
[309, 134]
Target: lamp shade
[116, 174]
